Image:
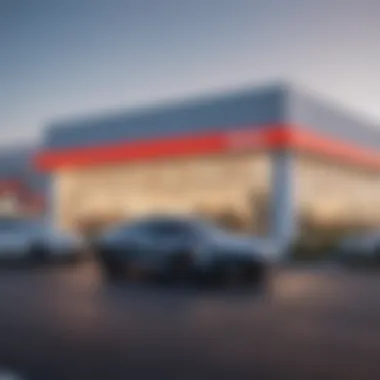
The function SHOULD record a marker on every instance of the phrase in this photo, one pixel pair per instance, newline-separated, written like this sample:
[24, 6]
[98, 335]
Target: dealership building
[264, 159]
[22, 187]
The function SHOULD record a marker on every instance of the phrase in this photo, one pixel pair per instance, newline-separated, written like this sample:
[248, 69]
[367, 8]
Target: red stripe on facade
[265, 137]
[310, 142]
[180, 146]
[10, 184]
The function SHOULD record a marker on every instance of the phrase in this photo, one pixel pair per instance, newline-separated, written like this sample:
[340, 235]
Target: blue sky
[62, 58]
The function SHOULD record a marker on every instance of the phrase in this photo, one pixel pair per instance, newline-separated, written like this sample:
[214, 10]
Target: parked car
[181, 249]
[361, 248]
[29, 240]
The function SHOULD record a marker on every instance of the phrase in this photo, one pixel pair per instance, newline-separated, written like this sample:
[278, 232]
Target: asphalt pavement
[67, 323]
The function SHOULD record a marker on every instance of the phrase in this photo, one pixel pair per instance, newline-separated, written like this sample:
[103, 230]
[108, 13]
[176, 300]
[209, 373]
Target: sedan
[32, 241]
[364, 247]
[181, 249]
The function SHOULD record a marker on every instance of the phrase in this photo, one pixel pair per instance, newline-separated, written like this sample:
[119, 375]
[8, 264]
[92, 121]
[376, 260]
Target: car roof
[165, 219]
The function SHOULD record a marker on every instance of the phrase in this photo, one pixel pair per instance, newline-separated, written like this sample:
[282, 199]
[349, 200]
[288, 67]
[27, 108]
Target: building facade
[273, 161]
[22, 187]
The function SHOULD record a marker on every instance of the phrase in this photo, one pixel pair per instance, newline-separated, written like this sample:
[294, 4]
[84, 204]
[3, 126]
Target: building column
[283, 212]
[50, 211]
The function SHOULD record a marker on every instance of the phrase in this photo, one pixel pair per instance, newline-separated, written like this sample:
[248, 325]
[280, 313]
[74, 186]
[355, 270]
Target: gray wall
[257, 106]
[218, 113]
[309, 111]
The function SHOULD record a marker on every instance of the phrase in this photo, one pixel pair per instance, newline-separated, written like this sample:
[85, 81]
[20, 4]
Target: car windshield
[165, 228]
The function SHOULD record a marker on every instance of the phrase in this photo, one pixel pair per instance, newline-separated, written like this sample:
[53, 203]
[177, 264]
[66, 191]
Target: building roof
[250, 107]
[220, 112]
[310, 111]
[271, 117]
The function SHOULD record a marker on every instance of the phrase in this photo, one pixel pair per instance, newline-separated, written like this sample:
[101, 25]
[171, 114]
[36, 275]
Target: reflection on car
[181, 249]
[362, 246]
[30, 240]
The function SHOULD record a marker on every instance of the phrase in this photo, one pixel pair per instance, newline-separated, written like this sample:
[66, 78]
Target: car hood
[247, 246]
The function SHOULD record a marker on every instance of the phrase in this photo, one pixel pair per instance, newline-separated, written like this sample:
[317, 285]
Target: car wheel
[39, 254]
[255, 275]
[239, 274]
[233, 275]
[180, 268]
[110, 266]
[227, 274]
[112, 269]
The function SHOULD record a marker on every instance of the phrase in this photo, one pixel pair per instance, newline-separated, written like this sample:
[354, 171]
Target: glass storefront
[334, 200]
[231, 189]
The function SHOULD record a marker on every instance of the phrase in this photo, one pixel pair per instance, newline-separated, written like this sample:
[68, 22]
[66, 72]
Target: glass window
[165, 228]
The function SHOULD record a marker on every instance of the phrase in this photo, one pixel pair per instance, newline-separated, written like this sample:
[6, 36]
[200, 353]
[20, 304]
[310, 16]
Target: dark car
[360, 248]
[182, 249]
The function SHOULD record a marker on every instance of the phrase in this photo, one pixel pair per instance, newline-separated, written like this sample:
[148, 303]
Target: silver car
[181, 249]
[29, 240]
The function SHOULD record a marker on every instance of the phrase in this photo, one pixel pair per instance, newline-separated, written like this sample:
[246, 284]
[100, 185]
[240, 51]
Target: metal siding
[310, 112]
[272, 104]
[208, 115]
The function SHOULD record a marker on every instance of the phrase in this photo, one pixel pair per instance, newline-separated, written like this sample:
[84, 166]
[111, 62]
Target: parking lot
[66, 323]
